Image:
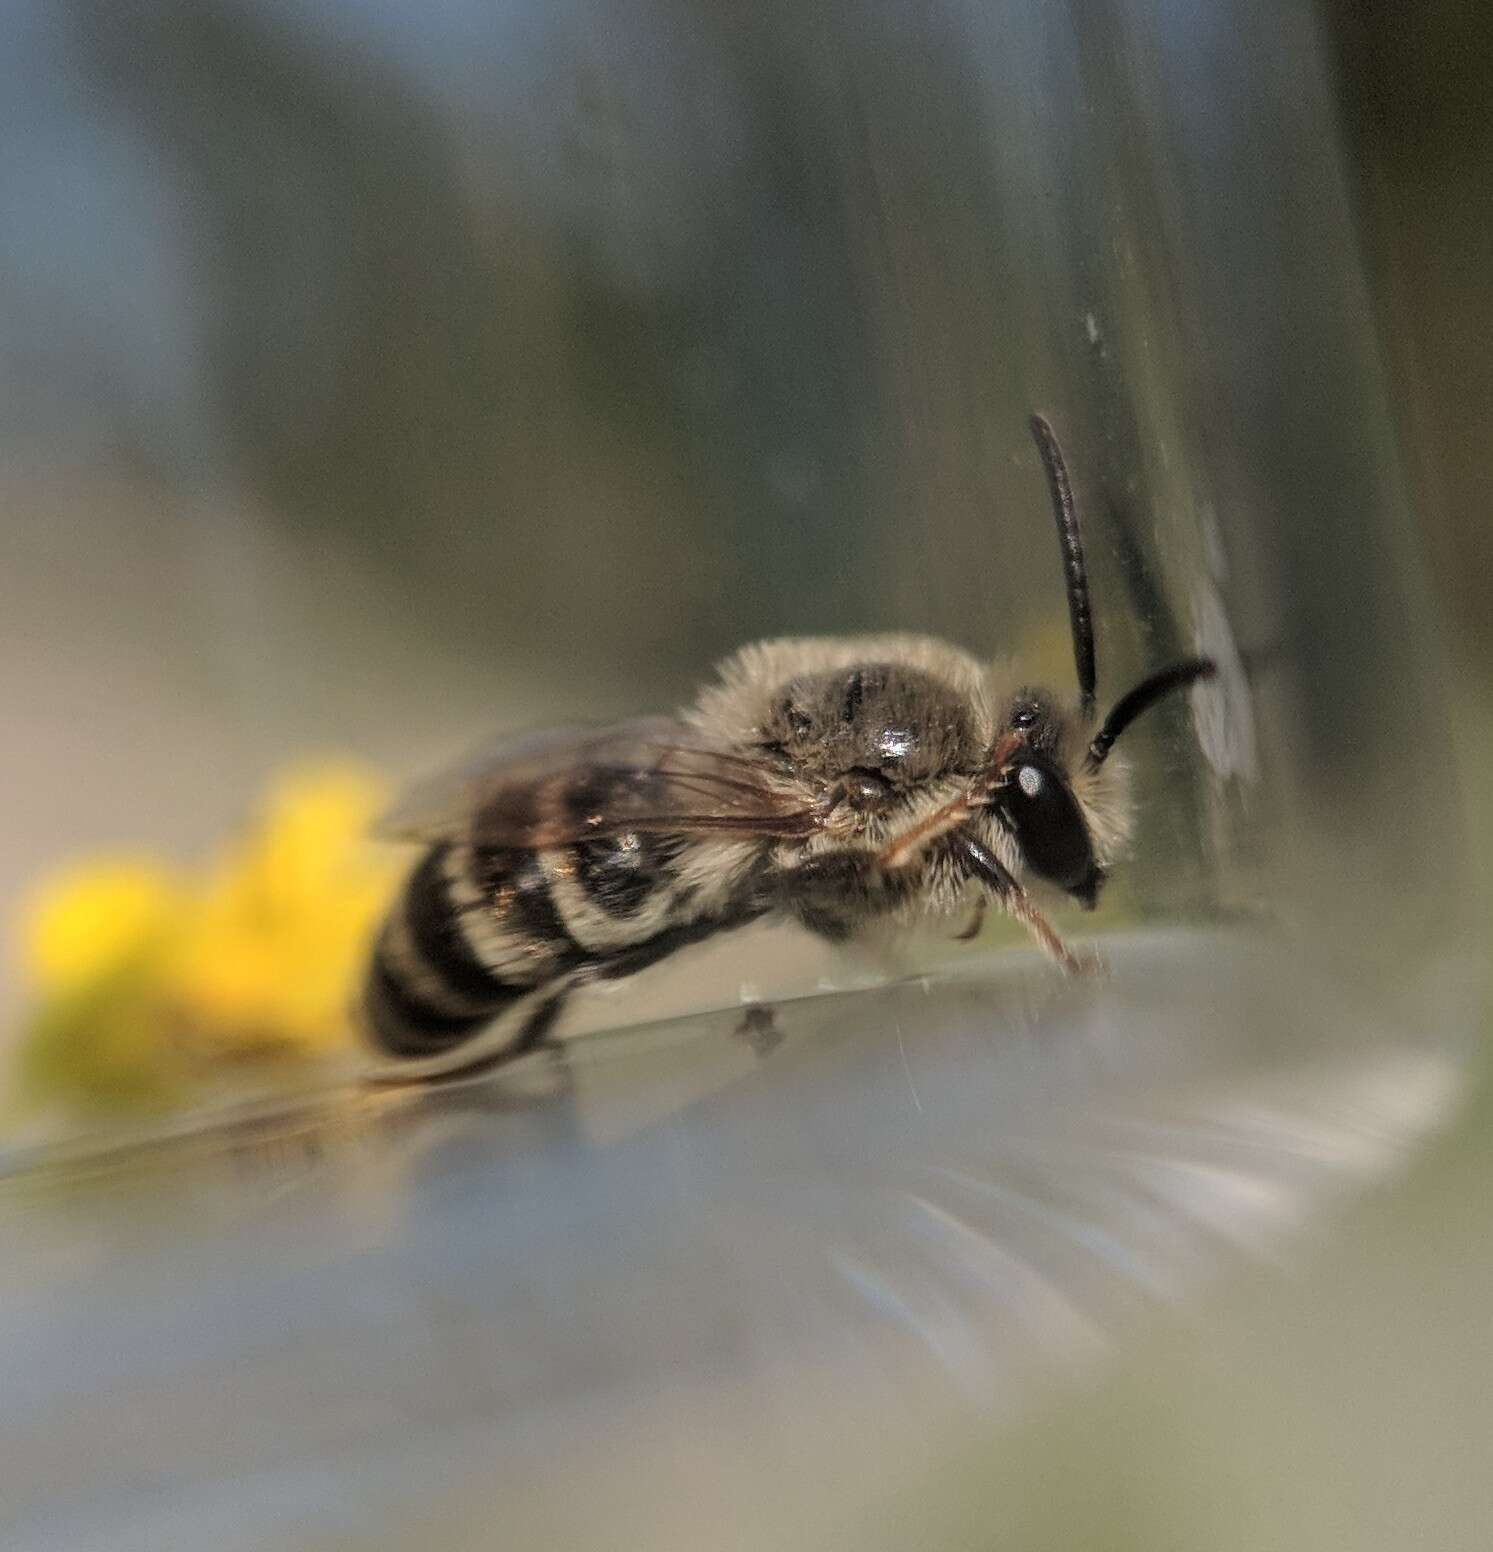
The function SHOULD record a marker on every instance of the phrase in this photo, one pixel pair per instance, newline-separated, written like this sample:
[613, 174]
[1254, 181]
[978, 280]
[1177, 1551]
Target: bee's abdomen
[473, 934]
[488, 936]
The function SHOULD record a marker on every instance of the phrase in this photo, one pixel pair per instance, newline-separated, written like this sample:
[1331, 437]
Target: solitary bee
[832, 782]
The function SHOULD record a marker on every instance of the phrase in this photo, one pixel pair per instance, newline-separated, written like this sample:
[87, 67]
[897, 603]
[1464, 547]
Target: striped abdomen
[493, 939]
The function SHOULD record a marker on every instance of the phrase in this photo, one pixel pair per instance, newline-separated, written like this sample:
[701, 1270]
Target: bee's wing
[574, 784]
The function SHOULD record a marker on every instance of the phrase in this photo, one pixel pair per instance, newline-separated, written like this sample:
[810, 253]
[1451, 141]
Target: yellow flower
[89, 920]
[275, 940]
[141, 973]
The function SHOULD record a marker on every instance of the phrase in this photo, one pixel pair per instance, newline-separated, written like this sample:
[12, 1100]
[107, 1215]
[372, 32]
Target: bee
[837, 783]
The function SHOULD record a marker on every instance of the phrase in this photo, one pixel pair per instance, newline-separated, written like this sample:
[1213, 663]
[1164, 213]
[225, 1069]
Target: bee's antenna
[1074, 574]
[1145, 694]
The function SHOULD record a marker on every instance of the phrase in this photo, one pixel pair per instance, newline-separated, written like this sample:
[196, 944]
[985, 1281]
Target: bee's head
[1056, 789]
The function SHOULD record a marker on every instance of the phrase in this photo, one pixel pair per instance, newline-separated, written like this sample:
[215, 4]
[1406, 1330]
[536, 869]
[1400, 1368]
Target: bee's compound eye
[1043, 815]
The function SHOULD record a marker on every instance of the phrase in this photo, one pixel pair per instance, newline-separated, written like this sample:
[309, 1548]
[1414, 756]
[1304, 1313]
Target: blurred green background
[1347, 1403]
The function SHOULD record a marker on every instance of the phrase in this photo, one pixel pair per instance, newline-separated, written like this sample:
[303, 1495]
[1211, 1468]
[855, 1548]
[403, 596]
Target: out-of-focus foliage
[1414, 94]
[145, 976]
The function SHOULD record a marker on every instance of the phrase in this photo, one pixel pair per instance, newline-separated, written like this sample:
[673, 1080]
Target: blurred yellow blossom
[89, 919]
[142, 975]
[281, 922]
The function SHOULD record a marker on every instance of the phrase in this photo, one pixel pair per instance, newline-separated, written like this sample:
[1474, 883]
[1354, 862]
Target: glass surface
[459, 369]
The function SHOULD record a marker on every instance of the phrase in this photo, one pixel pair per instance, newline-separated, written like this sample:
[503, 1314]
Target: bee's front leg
[979, 863]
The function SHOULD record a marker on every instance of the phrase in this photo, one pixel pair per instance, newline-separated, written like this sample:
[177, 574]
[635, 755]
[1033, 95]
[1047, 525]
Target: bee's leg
[536, 1028]
[759, 1028]
[983, 865]
[976, 922]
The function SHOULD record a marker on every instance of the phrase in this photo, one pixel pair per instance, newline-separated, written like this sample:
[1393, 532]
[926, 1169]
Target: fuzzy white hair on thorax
[748, 682]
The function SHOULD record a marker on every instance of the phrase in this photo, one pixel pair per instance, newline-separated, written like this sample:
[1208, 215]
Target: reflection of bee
[835, 782]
